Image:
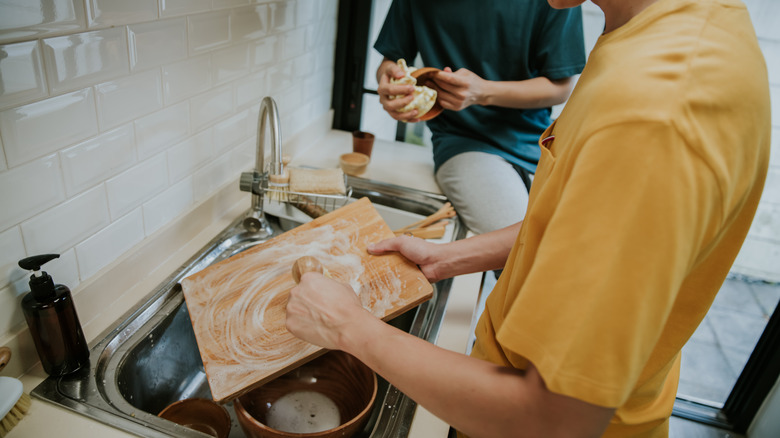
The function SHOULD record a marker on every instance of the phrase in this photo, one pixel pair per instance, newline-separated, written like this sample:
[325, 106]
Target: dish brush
[279, 184]
[14, 403]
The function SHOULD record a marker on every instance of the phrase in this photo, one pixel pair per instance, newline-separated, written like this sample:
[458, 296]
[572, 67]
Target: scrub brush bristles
[279, 187]
[17, 412]
[14, 403]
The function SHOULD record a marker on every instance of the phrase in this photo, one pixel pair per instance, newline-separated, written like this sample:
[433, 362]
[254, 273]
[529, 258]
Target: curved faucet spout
[256, 181]
[269, 112]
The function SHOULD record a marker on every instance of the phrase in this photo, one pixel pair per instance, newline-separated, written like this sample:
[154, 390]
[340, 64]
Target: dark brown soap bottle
[54, 324]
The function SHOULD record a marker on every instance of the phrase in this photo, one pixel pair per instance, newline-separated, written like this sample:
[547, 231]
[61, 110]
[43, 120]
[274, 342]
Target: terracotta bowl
[304, 401]
[425, 76]
[199, 414]
[354, 163]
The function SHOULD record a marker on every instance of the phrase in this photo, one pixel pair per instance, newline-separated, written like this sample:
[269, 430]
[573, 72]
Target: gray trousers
[486, 191]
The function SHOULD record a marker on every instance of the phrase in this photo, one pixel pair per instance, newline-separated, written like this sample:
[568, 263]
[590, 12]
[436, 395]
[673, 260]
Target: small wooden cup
[199, 414]
[354, 163]
[362, 142]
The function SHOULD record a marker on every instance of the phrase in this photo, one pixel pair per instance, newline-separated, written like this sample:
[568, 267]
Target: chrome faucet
[257, 180]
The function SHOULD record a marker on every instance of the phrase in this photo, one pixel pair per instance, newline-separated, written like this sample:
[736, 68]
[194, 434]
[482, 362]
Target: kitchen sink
[149, 358]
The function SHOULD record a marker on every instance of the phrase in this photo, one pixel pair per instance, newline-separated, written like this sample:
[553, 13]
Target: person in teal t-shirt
[505, 64]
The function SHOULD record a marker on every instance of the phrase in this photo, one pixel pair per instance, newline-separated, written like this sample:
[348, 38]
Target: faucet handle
[250, 182]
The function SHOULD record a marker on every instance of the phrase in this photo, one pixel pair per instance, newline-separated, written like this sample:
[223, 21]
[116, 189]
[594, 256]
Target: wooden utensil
[445, 212]
[306, 264]
[237, 306]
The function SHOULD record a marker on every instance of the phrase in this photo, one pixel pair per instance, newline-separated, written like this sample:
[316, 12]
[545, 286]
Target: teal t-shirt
[499, 40]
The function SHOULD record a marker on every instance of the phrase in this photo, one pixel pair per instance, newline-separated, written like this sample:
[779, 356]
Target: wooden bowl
[424, 76]
[354, 163]
[199, 414]
[301, 403]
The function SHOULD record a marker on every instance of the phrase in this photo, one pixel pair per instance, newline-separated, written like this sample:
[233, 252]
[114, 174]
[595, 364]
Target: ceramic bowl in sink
[199, 414]
[331, 396]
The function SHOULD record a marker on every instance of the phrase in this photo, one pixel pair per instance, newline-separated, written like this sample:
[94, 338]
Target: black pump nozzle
[41, 283]
[34, 263]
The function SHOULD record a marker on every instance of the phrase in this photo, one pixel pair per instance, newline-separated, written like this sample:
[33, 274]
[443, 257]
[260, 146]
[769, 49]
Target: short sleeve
[629, 223]
[396, 39]
[559, 45]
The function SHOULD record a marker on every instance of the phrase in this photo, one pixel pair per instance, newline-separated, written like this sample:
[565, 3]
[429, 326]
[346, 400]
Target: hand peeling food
[424, 97]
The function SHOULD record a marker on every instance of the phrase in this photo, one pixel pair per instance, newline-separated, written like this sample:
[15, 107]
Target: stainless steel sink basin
[150, 358]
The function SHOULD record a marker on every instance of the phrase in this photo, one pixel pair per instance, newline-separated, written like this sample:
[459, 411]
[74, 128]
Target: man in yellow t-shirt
[645, 191]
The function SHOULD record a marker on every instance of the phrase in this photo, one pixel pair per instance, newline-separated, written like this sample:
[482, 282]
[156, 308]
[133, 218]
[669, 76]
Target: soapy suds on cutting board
[232, 317]
[303, 412]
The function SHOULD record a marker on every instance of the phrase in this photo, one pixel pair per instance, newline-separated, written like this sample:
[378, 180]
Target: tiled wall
[118, 116]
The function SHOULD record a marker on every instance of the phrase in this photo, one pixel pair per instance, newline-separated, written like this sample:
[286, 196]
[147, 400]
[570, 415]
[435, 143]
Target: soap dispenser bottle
[53, 322]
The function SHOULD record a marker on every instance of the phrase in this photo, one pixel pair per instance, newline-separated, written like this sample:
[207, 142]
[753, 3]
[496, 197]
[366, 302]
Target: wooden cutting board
[237, 306]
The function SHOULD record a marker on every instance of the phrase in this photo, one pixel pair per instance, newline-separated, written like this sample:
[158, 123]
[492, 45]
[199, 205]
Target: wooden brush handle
[306, 264]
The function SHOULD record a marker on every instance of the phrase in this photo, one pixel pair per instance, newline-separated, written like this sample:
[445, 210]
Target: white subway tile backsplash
[230, 63]
[249, 23]
[186, 78]
[242, 157]
[110, 243]
[35, 19]
[293, 43]
[64, 270]
[160, 130]
[189, 155]
[211, 177]
[156, 43]
[305, 65]
[11, 251]
[218, 4]
[208, 31]
[306, 11]
[21, 73]
[263, 53]
[251, 89]
[68, 223]
[129, 189]
[231, 131]
[170, 8]
[211, 106]
[90, 162]
[29, 189]
[3, 164]
[282, 16]
[281, 77]
[168, 205]
[75, 61]
[117, 12]
[11, 316]
[122, 100]
[39, 128]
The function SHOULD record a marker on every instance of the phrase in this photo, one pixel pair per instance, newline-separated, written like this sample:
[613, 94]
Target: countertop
[392, 162]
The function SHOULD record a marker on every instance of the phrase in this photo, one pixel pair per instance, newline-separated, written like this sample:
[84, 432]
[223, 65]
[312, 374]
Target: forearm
[539, 92]
[481, 253]
[383, 66]
[477, 397]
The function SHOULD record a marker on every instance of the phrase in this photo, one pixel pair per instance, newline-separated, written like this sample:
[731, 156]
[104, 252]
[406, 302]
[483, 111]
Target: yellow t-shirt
[638, 208]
